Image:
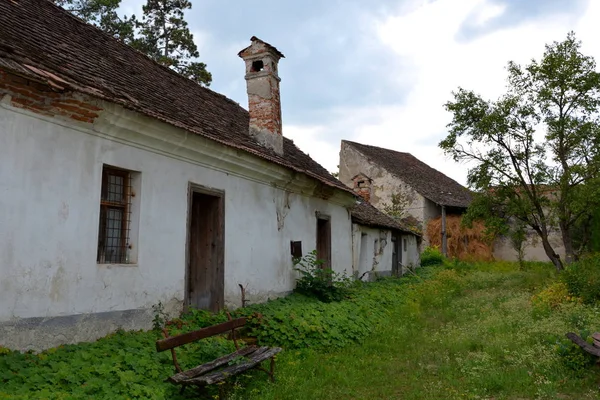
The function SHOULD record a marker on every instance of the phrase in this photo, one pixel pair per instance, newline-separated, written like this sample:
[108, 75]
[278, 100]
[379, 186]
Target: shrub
[321, 283]
[583, 278]
[431, 256]
[572, 356]
[551, 297]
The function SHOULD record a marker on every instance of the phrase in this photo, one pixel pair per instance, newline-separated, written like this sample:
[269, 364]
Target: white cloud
[425, 37]
[485, 12]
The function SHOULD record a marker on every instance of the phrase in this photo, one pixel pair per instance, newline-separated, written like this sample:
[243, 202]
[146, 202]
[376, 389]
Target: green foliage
[398, 204]
[299, 321]
[320, 282]
[102, 13]
[125, 364]
[541, 182]
[551, 298]
[164, 36]
[121, 365]
[162, 33]
[468, 325]
[583, 279]
[160, 317]
[572, 356]
[431, 256]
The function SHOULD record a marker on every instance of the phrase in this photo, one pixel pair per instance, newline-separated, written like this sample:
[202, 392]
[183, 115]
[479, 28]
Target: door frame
[328, 240]
[220, 194]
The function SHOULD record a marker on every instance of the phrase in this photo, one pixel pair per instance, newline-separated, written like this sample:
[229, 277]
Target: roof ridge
[439, 187]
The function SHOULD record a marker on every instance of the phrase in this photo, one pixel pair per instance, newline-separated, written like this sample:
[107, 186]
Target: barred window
[115, 217]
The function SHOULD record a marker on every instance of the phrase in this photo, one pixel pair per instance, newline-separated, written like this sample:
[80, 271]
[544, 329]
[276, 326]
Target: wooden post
[444, 237]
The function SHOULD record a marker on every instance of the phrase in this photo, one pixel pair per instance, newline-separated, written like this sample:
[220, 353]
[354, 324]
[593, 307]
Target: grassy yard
[462, 332]
[469, 333]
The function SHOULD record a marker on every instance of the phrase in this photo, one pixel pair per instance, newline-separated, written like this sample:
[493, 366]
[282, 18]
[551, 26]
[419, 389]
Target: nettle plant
[320, 282]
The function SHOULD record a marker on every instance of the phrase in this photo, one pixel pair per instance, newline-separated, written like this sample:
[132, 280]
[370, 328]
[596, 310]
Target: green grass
[462, 332]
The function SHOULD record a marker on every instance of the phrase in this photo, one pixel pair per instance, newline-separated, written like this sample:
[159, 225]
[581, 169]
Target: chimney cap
[245, 52]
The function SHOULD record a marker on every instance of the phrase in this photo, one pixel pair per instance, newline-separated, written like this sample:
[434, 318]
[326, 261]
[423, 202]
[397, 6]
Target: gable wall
[352, 162]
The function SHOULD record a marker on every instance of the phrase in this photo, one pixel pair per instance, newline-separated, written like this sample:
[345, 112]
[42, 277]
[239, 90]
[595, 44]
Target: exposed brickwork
[264, 103]
[265, 114]
[362, 187]
[41, 99]
[66, 52]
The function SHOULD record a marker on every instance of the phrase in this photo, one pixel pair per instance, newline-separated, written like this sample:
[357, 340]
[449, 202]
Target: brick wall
[42, 99]
[265, 112]
[362, 186]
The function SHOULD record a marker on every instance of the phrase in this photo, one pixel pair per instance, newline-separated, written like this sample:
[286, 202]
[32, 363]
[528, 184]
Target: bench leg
[272, 373]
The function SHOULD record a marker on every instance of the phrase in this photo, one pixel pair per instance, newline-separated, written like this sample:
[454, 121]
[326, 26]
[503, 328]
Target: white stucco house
[123, 184]
[382, 246]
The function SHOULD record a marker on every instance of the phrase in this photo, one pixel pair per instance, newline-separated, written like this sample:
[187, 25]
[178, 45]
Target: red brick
[81, 104]
[83, 119]
[22, 101]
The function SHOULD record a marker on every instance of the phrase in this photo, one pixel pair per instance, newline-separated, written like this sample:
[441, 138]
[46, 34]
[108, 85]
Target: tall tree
[535, 150]
[162, 34]
[102, 13]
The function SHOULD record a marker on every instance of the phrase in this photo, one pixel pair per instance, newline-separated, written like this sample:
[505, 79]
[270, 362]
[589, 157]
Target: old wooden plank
[204, 368]
[583, 344]
[174, 341]
[596, 337]
[256, 358]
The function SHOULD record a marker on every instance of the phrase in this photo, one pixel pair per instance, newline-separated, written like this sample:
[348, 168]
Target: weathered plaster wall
[534, 251]
[372, 251]
[50, 180]
[410, 252]
[384, 184]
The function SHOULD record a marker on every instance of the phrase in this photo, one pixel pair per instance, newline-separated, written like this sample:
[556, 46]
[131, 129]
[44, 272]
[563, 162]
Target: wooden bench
[223, 367]
[593, 349]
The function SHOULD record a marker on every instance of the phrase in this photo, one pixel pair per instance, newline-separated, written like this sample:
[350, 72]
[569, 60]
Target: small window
[405, 245]
[115, 217]
[258, 65]
[296, 249]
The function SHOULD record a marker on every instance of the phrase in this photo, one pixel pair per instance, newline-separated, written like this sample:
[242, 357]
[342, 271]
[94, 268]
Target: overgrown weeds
[582, 278]
[321, 282]
[459, 331]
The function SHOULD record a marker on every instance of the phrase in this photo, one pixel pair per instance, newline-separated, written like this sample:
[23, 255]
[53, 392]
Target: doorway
[324, 241]
[205, 277]
[396, 254]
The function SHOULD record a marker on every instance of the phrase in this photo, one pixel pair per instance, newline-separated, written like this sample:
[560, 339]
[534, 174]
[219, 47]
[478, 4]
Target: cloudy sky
[379, 71]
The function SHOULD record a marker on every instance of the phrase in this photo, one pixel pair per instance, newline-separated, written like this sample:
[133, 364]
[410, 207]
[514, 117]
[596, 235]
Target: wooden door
[206, 251]
[324, 242]
[396, 254]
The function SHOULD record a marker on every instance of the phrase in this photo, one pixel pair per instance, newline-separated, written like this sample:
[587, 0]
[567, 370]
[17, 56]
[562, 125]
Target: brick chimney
[264, 104]
[362, 186]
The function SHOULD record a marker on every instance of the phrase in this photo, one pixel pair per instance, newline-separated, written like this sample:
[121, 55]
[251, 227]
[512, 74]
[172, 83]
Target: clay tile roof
[43, 42]
[365, 214]
[428, 182]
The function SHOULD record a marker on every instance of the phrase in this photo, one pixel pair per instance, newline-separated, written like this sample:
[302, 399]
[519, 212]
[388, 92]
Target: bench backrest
[185, 338]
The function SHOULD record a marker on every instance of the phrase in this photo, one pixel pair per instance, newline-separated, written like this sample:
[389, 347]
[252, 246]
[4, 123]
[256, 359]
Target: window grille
[115, 216]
